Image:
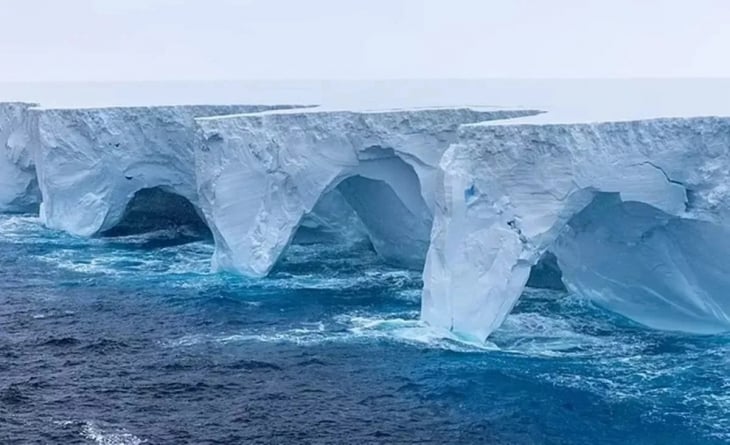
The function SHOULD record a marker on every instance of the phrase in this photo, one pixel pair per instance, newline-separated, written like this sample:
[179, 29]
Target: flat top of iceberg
[355, 110]
[566, 100]
[594, 101]
[562, 118]
[18, 103]
[140, 108]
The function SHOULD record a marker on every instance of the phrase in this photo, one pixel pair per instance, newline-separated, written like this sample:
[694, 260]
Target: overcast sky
[361, 39]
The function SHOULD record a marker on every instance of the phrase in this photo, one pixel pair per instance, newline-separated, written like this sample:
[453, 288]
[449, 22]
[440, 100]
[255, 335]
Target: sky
[138, 40]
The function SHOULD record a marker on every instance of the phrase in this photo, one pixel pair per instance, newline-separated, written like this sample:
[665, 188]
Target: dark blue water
[129, 340]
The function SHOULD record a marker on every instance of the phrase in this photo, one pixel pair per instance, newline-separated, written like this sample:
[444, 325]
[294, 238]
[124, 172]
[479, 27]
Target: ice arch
[510, 192]
[396, 225]
[260, 175]
[91, 162]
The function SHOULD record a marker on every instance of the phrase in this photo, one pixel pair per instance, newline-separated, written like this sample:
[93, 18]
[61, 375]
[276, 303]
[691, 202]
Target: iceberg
[631, 214]
[18, 185]
[261, 175]
[91, 162]
[636, 213]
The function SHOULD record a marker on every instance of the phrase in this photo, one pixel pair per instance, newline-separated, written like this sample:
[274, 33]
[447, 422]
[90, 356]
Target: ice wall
[511, 191]
[631, 214]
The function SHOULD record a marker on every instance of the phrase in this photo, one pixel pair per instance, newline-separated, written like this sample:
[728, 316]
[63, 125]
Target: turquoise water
[131, 340]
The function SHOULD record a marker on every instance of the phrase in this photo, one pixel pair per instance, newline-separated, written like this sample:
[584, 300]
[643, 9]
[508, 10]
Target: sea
[131, 339]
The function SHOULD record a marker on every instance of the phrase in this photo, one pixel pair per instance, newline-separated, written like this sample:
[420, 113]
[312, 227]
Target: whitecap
[414, 332]
[108, 435]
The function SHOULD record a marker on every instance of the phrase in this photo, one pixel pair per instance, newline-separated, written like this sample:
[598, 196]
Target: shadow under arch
[169, 217]
[661, 270]
[376, 206]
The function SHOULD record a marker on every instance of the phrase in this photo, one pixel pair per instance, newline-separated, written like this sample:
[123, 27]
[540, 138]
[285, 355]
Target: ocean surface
[130, 340]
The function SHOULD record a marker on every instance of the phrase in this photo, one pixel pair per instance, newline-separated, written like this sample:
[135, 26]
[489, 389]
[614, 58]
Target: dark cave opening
[546, 274]
[168, 217]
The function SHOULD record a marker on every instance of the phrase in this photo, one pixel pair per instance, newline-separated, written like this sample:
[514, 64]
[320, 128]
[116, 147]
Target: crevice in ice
[167, 214]
[669, 180]
[692, 199]
[663, 172]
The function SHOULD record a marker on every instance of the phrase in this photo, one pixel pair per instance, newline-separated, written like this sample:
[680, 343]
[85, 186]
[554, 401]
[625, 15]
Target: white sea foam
[414, 332]
[22, 228]
[348, 328]
[108, 436]
[537, 334]
[304, 334]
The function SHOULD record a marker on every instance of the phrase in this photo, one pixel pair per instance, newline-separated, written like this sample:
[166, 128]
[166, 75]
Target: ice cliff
[260, 175]
[18, 186]
[633, 215]
[90, 162]
[635, 212]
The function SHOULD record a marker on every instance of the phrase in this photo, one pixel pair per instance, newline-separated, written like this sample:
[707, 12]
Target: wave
[101, 433]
